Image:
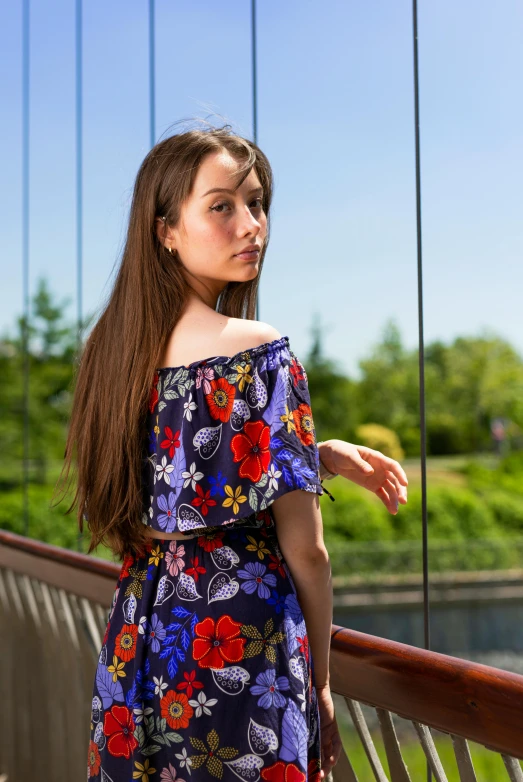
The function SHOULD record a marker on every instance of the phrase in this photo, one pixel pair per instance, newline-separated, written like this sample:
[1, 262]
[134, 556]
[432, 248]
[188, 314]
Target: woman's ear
[160, 228]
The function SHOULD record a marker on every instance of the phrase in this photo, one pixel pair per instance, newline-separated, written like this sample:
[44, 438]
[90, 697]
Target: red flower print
[203, 500]
[189, 683]
[304, 424]
[119, 727]
[212, 540]
[282, 772]
[127, 562]
[276, 563]
[176, 709]
[296, 370]
[218, 642]
[304, 645]
[125, 644]
[313, 770]
[172, 441]
[267, 520]
[251, 447]
[153, 398]
[196, 569]
[221, 399]
[106, 634]
[93, 760]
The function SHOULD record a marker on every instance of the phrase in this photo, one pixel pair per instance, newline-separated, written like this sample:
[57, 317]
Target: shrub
[453, 513]
[355, 515]
[507, 510]
[380, 439]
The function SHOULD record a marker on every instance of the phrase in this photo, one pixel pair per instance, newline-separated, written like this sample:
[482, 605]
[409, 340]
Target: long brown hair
[114, 373]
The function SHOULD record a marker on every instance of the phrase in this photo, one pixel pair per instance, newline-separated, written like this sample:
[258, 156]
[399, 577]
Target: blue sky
[336, 119]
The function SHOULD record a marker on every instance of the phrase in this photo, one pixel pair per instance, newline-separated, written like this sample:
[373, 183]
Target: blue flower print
[276, 600]
[257, 579]
[268, 688]
[167, 519]
[218, 484]
[154, 632]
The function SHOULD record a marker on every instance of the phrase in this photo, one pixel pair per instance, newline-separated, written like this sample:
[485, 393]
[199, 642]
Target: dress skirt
[205, 671]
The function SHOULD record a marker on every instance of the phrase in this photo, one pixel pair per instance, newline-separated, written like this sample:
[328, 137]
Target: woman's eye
[216, 208]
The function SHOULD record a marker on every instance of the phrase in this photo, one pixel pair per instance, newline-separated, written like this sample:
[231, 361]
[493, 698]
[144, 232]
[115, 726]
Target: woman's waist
[256, 519]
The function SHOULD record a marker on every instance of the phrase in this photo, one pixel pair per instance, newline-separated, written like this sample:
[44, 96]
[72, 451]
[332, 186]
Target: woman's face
[215, 227]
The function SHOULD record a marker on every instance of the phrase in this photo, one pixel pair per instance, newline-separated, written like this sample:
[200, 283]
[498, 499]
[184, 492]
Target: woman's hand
[379, 474]
[329, 733]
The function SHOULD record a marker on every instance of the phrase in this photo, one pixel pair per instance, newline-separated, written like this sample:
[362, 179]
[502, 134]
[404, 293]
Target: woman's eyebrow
[225, 190]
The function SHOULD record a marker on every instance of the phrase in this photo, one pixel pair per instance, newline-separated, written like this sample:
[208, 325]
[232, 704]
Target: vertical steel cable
[79, 189]
[426, 606]
[254, 105]
[152, 85]
[25, 261]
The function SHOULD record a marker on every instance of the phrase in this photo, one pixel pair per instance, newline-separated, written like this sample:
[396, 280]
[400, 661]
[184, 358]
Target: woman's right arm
[299, 528]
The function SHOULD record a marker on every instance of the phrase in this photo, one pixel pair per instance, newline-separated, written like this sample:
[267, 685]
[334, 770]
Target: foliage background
[474, 484]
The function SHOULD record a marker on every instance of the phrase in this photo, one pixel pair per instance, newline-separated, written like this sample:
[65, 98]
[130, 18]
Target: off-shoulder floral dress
[205, 670]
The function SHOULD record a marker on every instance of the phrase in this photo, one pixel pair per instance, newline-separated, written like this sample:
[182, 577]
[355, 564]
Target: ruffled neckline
[253, 352]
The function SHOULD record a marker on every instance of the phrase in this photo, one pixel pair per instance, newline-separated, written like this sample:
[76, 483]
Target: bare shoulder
[213, 334]
[251, 333]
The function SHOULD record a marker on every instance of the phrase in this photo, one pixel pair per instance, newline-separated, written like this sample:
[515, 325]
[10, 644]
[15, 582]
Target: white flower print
[188, 407]
[141, 713]
[160, 686]
[191, 477]
[184, 760]
[163, 470]
[273, 474]
[201, 706]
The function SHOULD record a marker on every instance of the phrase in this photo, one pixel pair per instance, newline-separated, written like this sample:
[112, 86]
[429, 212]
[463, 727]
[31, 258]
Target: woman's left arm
[371, 469]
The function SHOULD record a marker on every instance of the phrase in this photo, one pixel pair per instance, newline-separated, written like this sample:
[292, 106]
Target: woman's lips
[251, 256]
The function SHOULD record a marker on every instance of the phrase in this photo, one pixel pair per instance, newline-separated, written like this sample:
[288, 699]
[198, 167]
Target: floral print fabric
[226, 437]
[205, 670]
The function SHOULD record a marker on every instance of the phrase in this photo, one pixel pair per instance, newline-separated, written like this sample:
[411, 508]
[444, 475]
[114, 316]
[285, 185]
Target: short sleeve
[227, 437]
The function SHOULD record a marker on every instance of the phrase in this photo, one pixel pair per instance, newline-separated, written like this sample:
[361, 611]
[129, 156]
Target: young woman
[197, 463]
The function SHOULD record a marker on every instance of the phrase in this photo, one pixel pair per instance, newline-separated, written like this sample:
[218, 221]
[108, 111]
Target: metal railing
[54, 606]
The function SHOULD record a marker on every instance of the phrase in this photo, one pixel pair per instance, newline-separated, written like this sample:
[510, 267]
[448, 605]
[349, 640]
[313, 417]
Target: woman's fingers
[387, 500]
[397, 470]
[331, 748]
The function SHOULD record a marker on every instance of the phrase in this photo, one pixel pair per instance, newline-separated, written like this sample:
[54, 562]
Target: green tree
[333, 394]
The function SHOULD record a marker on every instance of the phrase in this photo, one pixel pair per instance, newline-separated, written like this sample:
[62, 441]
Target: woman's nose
[251, 220]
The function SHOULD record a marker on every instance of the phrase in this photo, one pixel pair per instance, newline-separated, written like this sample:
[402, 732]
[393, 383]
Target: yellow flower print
[212, 754]
[243, 376]
[234, 498]
[288, 419]
[156, 555]
[258, 546]
[143, 770]
[116, 668]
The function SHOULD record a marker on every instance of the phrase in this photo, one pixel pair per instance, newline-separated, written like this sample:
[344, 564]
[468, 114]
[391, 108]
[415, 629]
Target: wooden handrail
[65, 556]
[81, 574]
[456, 696]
